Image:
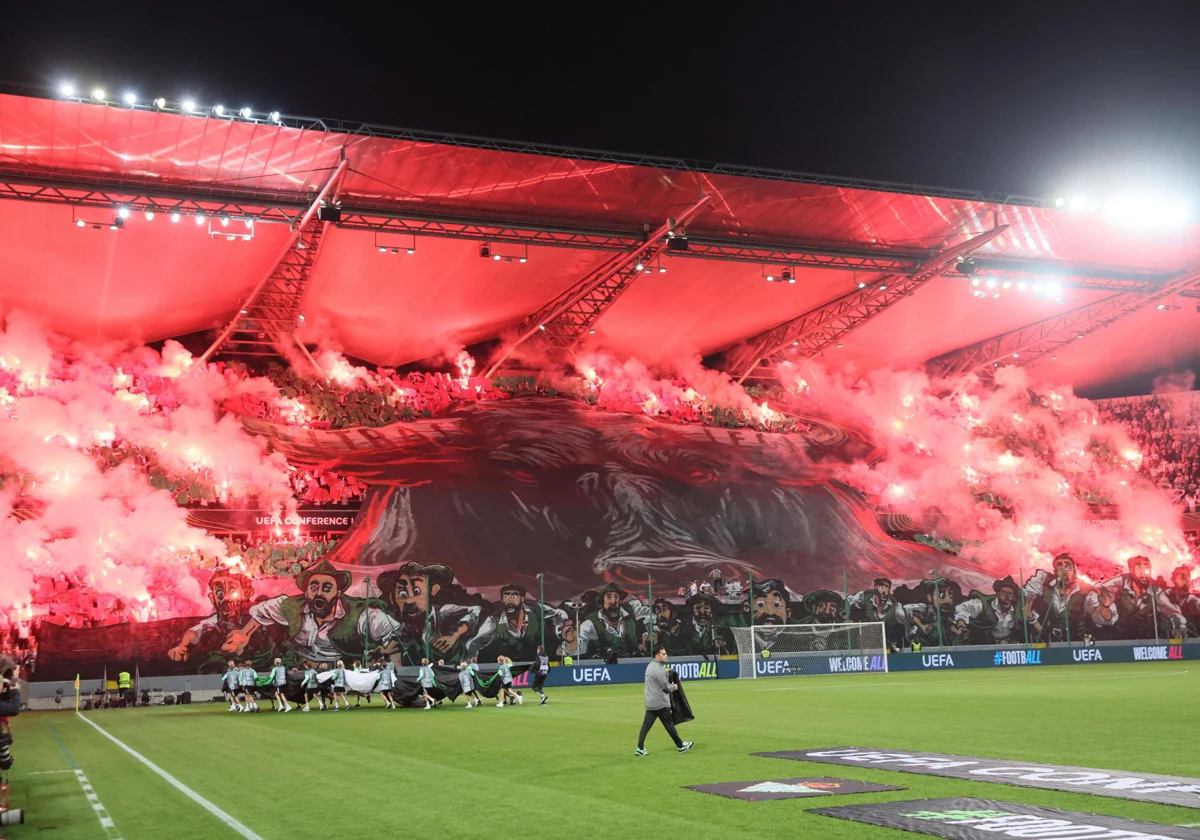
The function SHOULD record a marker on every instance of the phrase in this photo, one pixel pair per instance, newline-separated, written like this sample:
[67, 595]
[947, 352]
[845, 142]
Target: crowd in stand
[1166, 429]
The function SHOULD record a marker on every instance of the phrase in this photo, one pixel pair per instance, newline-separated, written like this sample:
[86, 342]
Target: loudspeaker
[329, 213]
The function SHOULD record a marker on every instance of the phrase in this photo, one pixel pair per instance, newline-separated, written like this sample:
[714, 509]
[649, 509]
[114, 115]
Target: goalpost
[768, 650]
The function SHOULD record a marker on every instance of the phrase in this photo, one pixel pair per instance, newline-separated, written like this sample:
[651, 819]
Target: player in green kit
[309, 686]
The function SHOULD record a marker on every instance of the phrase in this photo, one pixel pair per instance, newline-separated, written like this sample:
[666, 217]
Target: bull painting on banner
[637, 525]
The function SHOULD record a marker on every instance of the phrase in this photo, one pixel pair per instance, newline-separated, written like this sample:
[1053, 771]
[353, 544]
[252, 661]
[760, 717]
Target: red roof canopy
[154, 279]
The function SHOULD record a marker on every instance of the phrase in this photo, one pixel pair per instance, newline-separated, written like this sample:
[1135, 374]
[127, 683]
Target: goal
[770, 650]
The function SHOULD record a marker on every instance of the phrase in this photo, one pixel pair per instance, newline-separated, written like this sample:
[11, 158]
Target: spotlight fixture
[245, 113]
[149, 215]
[485, 250]
[640, 265]
[592, 331]
[175, 218]
[248, 222]
[521, 260]
[275, 116]
[967, 267]
[98, 94]
[188, 105]
[130, 98]
[839, 345]
[770, 278]
[219, 110]
[862, 285]
[541, 326]
[199, 218]
[975, 281]
[991, 283]
[788, 276]
[496, 257]
[160, 103]
[66, 89]
[80, 223]
[382, 250]
[1007, 284]
[1022, 286]
[224, 221]
[883, 287]
[411, 251]
[662, 269]
[123, 212]
[1060, 201]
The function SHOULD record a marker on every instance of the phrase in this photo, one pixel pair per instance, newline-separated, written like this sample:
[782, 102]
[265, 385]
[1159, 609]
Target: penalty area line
[224, 817]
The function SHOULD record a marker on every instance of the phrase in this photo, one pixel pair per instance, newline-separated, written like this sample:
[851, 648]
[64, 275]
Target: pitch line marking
[224, 817]
[106, 822]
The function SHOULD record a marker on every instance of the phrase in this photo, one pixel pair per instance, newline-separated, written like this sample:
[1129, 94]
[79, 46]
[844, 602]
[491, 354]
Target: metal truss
[819, 328]
[1025, 345]
[288, 207]
[266, 322]
[562, 322]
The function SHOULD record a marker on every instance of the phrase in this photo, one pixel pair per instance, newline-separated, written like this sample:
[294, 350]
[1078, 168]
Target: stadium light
[66, 89]
[883, 287]
[862, 285]
[275, 116]
[130, 98]
[199, 218]
[174, 217]
[412, 251]
[219, 110]
[245, 113]
[160, 103]
[189, 105]
[98, 94]
[382, 249]
[1078, 203]
[123, 212]
[80, 223]
[224, 221]
[149, 215]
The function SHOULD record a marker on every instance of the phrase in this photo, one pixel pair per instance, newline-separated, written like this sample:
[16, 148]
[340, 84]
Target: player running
[309, 686]
[466, 679]
[387, 680]
[506, 682]
[339, 685]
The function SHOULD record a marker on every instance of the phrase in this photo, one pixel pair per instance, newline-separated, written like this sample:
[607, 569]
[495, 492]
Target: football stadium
[322, 441]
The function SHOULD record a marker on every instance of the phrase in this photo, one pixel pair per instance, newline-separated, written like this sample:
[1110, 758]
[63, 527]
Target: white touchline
[178, 785]
[110, 828]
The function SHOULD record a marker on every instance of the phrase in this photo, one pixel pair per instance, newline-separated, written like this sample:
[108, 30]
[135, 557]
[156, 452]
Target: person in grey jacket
[658, 703]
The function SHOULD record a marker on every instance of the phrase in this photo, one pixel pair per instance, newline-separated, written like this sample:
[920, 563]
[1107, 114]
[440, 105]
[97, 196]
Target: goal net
[791, 649]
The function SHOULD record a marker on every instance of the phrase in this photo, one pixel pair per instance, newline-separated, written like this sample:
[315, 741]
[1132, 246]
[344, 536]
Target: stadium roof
[67, 164]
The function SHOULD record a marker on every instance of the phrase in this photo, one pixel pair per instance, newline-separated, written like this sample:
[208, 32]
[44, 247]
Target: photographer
[10, 706]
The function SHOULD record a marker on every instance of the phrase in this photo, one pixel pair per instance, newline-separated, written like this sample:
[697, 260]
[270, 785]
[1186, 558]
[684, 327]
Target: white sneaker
[287, 709]
[304, 708]
[520, 700]
[500, 704]
[428, 706]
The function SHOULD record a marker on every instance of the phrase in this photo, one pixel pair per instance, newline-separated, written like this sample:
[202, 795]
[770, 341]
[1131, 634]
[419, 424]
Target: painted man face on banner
[770, 608]
[1139, 570]
[825, 612]
[1064, 569]
[409, 594]
[884, 589]
[702, 613]
[663, 610]
[1181, 579]
[230, 595]
[321, 594]
[1006, 596]
[611, 606]
[512, 600]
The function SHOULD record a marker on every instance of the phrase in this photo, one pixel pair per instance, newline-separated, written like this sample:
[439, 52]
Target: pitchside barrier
[41, 695]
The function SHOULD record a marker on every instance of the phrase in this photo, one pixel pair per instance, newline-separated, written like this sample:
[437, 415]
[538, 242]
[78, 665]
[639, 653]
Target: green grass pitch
[568, 769]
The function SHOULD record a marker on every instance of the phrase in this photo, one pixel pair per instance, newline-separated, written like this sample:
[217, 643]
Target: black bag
[681, 709]
[185, 698]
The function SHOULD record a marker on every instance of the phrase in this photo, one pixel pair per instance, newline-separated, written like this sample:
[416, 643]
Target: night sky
[1027, 98]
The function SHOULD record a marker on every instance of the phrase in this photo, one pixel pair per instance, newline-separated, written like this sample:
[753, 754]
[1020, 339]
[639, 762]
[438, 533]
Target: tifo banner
[985, 819]
[1032, 657]
[790, 788]
[1118, 784]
